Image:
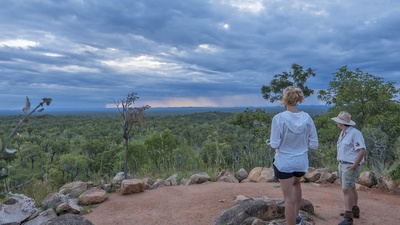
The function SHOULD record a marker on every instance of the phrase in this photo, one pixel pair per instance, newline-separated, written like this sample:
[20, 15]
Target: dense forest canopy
[65, 147]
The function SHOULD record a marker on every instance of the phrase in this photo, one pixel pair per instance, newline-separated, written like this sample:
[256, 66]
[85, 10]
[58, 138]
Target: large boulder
[92, 196]
[132, 186]
[53, 200]
[261, 175]
[73, 189]
[200, 177]
[241, 174]
[17, 209]
[367, 179]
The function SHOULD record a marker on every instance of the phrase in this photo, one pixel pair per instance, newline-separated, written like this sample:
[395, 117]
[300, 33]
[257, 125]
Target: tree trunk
[126, 157]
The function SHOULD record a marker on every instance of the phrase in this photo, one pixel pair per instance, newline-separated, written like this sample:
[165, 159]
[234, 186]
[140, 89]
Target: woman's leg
[287, 186]
[297, 194]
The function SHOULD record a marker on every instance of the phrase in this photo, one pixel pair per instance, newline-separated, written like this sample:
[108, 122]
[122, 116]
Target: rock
[92, 196]
[367, 178]
[255, 210]
[226, 176]
[53, 200]
[261, 175]
[172, 180]
[147, 183]
[16, 209]
[69, 219]
[68, 207]
[119, 177]
[241, 174]
[200, 177]
[159, 183]
[185, 181]
[131, 186]
[312, 176]
[73, 189]
[326, 177]
[386, 182]
[42, 217]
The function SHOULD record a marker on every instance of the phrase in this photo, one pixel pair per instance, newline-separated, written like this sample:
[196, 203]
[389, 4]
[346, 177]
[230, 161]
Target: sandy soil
[201, 204]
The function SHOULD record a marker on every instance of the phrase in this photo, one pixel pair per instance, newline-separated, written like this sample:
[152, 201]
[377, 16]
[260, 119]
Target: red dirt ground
[201, 204]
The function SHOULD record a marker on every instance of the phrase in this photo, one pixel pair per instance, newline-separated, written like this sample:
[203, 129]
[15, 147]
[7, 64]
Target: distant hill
[311, 109]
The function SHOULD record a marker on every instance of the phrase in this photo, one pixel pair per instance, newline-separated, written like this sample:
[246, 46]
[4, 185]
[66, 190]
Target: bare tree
[131, 117]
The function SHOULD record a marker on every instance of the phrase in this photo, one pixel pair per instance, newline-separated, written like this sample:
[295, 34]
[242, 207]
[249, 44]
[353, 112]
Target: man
[350, 154]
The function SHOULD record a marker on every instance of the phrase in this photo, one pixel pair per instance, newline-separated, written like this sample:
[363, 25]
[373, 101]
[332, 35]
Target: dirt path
[201, 204]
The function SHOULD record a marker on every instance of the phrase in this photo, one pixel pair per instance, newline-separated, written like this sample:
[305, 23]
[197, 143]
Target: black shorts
[281, 175]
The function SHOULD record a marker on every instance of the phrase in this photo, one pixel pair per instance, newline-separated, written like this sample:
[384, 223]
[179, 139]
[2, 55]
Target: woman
[292, 133]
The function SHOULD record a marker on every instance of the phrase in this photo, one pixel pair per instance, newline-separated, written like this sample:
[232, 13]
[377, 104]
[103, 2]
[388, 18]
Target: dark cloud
[87, 53]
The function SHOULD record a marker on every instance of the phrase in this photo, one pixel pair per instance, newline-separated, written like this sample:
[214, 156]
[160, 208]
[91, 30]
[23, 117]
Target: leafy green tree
[73, 166]
[363, 95]
[160, 147]
[372, 103]
[297, 77]
[31, 151]
[131, 117]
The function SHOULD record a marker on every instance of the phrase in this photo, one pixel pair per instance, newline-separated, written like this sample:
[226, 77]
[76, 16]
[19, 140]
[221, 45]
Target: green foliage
[395, 172]
[298, 78]
[73, 166]
[363, 95]
[256, 129]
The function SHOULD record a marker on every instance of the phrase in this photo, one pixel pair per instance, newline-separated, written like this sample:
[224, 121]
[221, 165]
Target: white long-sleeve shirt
[292, 134]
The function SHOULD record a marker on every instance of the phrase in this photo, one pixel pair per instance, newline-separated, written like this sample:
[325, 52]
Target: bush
[395, 172]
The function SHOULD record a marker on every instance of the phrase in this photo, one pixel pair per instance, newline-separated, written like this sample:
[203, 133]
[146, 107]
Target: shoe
[299, 220]
[355, 210]
[346, 221]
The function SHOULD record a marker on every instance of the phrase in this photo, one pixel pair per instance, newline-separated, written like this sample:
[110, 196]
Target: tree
[363, 95]
[257, 126]
[131, 117]
[298, 78]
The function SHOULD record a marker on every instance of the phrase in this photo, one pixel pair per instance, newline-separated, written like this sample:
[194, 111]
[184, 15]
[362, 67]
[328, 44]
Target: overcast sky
[172, 53]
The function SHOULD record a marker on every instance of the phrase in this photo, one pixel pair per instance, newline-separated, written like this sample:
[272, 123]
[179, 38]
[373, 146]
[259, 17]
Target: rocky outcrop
[17, 209]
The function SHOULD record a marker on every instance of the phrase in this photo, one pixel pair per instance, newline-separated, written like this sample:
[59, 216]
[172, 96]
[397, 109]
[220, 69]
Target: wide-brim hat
[344, 118]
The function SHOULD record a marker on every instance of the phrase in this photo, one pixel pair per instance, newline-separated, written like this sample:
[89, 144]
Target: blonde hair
[292, 95]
